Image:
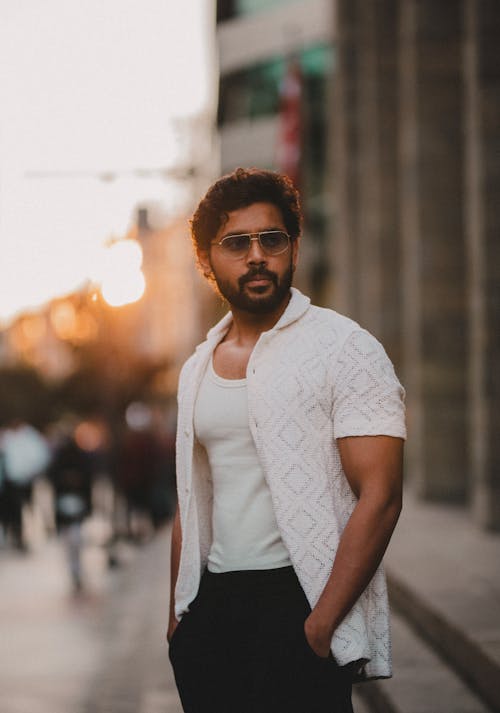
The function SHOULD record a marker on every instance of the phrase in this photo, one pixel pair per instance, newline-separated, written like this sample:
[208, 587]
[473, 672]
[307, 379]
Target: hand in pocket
[317, 640]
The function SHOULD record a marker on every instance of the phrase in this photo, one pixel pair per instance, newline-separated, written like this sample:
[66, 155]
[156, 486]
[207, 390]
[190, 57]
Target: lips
[254, 281]
[257, 279]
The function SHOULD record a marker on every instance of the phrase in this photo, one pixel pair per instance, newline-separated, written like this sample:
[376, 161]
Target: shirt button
[187, 432]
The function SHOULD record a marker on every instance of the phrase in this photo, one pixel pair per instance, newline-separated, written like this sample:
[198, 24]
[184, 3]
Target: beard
[257, 301]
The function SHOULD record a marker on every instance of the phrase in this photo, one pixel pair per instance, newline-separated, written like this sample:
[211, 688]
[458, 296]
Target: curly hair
[239, 189]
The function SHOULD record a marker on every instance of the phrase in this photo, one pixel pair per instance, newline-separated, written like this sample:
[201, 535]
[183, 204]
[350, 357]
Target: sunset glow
[122, 280]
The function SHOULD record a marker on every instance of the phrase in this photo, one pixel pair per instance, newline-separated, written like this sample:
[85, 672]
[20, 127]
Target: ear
[204, 261]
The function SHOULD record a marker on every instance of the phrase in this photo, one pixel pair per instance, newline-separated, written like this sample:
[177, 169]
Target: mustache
[258, 272]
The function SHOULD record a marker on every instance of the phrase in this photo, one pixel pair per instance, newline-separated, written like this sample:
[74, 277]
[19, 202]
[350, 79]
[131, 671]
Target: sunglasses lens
[274, 242]
[236, 244]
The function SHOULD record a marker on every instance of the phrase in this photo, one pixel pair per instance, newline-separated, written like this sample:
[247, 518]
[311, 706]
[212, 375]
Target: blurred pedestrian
[135, 469]
[145, 469]
[71, 474]
[289, 471]
[26, 455]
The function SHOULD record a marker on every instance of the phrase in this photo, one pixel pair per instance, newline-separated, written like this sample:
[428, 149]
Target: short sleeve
[368, 398]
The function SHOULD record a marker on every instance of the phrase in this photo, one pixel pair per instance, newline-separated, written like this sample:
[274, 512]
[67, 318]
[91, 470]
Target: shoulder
[332, 319]
[342, 341]
[327, 327]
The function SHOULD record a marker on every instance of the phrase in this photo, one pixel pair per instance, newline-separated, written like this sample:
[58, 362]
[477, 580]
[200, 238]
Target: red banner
[289, 146]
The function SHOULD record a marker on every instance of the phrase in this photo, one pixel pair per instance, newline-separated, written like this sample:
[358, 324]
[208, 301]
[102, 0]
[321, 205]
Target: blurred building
[400, 169]
[416, 250]
[276, 67]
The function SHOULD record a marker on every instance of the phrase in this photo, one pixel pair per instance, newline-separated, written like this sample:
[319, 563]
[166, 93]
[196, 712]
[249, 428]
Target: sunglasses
[272, 242]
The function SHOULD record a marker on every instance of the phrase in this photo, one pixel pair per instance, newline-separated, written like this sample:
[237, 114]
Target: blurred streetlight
[121, 278]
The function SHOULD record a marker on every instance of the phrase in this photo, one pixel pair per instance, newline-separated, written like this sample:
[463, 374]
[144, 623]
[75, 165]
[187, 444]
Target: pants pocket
[175, 637]
[311, 651]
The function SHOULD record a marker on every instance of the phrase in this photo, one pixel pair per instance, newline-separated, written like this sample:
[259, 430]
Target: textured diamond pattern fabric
[315, 377]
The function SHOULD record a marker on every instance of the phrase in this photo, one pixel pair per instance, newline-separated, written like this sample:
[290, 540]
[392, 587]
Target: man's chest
[290, 376]
[230, 361]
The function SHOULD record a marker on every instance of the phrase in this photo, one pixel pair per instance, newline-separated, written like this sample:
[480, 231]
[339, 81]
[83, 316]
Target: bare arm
[175, 553]
[373, 467]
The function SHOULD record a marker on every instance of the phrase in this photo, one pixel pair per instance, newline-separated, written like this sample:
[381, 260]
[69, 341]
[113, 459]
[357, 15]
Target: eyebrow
[251, 232]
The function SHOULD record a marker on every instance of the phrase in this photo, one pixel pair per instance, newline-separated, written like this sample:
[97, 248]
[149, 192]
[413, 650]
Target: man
[290, 440]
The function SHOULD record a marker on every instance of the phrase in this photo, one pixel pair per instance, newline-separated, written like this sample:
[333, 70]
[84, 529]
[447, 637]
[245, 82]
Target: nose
[255, 253]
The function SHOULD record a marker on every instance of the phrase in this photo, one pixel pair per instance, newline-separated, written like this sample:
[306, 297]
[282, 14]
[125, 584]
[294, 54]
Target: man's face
[257, 283]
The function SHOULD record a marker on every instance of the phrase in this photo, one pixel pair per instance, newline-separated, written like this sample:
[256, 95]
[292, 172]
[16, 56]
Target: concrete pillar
[344, 160]
[365, 162]
[368, 265]
[482, 178]
[433, 261]
[378, 241]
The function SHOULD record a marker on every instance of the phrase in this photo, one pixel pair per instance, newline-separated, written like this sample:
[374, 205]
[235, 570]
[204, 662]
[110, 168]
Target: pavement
[102, 650]
[444, 586]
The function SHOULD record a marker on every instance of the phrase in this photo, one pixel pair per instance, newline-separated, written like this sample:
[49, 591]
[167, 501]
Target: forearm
[361, 548]
[175, 554]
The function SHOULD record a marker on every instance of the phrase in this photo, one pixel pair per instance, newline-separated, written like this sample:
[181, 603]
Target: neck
[247, 327]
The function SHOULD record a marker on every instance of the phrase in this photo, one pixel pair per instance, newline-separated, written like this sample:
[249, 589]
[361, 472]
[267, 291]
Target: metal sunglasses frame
[252, 237]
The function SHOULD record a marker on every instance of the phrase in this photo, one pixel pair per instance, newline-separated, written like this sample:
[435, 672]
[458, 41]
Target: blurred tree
[104, 383]
[106, 380]
[24, 395]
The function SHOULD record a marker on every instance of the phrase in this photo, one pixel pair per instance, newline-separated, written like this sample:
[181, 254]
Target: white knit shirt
[314, 377]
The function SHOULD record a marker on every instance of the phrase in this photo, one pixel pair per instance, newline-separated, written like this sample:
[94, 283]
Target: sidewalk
[444, 583]
[47, 646]
[134, 674]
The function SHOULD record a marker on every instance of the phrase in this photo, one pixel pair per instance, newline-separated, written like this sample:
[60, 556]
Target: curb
[479, 671]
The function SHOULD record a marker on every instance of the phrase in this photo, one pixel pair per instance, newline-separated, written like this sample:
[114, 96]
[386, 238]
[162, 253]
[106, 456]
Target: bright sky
[89, 86]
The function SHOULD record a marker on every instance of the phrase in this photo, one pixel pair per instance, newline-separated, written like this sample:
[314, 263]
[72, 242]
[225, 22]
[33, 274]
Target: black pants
[242, 649]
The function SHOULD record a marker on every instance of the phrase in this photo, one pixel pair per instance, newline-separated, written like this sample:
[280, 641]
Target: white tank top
[245, 532]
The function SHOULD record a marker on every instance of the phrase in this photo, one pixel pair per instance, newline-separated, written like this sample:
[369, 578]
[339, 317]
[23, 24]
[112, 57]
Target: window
[255, 91]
